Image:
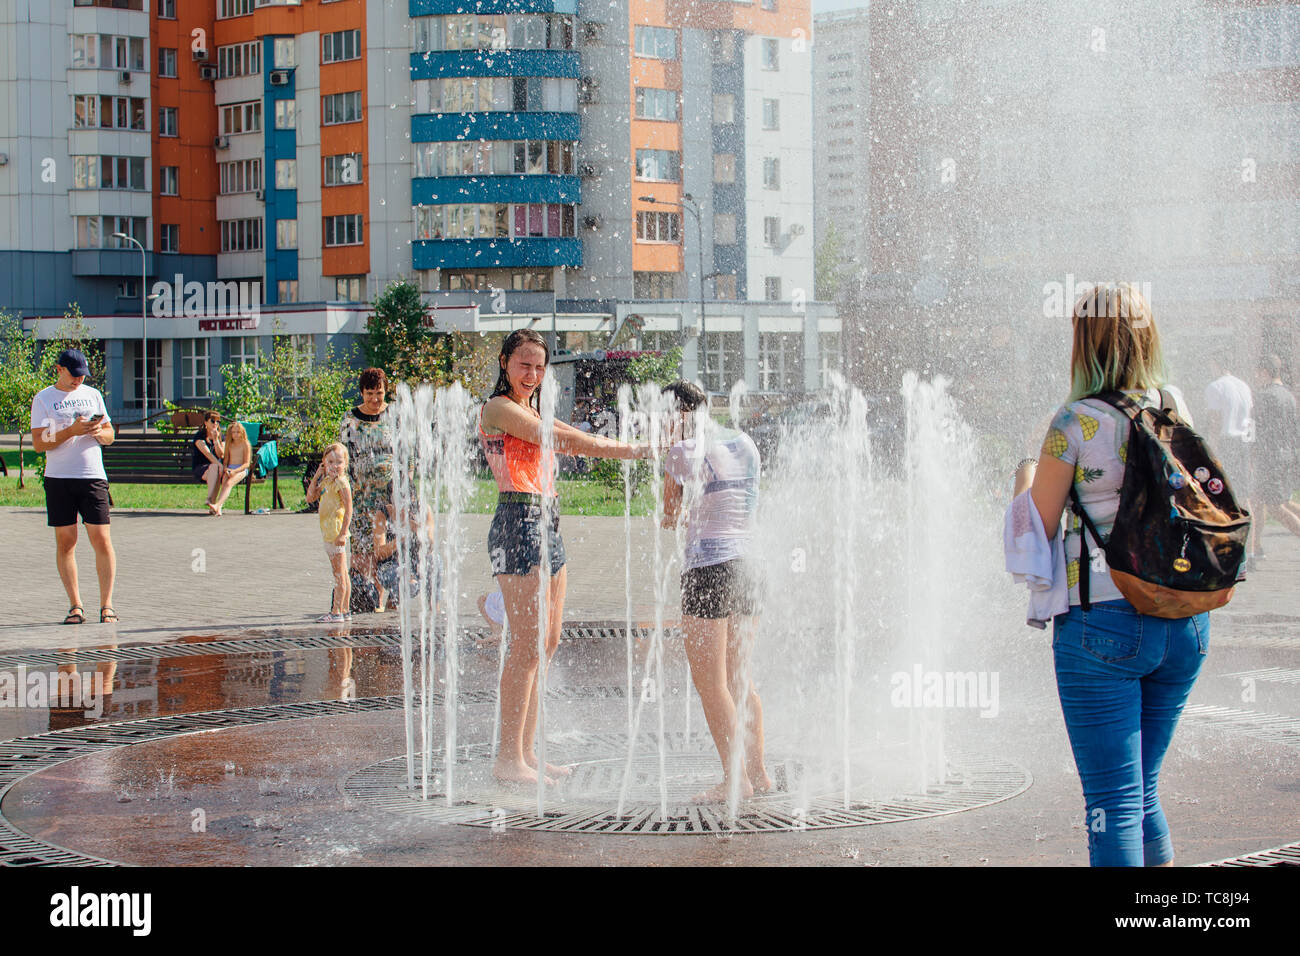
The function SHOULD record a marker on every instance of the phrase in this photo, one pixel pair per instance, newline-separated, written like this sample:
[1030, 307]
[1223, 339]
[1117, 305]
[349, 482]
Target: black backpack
[1179, 539]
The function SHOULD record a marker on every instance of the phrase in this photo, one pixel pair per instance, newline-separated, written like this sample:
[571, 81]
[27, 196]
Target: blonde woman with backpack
[1123, 676]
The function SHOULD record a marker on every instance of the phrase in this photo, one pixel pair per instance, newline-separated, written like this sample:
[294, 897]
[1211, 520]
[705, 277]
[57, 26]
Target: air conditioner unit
[260, 195]
[207, 72]
[201, 53]
[593, 222]
[589, 170]
[592, 31]
[279, 77]
[124, 78]
[222, 142]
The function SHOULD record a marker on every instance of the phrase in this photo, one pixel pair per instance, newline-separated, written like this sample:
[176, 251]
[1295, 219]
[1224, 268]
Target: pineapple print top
[1093, 437]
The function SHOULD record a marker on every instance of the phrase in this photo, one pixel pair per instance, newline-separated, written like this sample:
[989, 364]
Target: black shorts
[721, 590]
[65, 498]
[515, 538]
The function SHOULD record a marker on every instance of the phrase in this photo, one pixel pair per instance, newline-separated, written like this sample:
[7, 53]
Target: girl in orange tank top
[510, 429]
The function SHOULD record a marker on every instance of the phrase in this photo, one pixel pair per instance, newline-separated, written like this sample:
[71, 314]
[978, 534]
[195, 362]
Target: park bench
[165, 459]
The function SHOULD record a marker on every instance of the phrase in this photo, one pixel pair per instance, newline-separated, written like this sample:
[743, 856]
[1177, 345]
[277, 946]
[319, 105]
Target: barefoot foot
[762, 783]
[513, 773]
[551, 769]
[722, 792]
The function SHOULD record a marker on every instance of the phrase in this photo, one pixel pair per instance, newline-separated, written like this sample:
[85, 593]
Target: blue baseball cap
[74, 361]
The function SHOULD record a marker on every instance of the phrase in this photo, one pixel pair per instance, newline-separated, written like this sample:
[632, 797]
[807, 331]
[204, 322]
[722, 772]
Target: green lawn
[576, 497]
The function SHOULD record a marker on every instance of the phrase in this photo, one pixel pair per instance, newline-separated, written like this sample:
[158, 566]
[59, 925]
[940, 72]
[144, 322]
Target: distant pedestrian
[1230, 403]
[1277, 441]
[70, 424]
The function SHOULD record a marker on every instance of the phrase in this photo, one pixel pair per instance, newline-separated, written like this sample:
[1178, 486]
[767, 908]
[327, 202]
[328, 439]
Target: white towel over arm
[1035, 562]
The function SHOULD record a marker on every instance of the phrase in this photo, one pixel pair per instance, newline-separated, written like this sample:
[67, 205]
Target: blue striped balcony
[542, 187]
[495, 253]
[450, 127]
[445, 63]
[430, 8]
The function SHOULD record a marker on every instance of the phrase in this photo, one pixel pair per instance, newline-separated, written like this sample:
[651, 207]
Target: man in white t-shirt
[1231, 429]
[70, 424]
[720, 585]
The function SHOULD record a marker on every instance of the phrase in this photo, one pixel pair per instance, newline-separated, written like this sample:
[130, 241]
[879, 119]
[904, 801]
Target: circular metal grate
[306, 641]
[587, 802]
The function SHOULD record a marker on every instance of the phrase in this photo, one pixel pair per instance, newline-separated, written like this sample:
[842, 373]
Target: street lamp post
[144, 333]
[694, 210]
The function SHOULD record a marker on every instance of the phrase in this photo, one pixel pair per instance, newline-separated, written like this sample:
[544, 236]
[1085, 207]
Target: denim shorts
[515, 538]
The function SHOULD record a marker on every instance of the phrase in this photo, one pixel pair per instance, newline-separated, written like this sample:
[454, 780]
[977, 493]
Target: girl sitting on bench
[235, 462]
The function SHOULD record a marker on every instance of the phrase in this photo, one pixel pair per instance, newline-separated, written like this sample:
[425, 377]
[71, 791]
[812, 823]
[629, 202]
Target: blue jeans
[1123, 678]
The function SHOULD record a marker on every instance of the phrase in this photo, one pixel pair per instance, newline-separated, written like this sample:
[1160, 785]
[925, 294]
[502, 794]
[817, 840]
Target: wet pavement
[272, 781]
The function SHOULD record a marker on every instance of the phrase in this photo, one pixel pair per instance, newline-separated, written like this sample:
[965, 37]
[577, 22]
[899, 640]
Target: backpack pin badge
[1176, 480]
[1215, 486]
[1182, 565]
[1202, 473]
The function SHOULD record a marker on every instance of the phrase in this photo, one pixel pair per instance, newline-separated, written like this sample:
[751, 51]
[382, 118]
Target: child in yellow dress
[330, 485]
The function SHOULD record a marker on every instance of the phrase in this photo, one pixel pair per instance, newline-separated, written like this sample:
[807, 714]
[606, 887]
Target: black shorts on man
[65, 498]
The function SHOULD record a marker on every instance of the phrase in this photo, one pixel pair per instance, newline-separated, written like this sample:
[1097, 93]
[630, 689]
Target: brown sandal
[107, 615]
[76, 615]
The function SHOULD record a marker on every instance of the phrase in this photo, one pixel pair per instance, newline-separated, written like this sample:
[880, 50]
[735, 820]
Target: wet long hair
[515, 339]
[1116, 345]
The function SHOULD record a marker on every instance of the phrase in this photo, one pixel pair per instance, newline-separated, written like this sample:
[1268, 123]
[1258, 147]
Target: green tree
[828, 264]
[662, 368]
[27, 366]
[301, 399]
[398, 342]
[20, 380]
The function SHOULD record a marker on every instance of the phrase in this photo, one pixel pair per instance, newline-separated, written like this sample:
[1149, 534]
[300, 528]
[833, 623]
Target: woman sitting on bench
[205, 455]
[236, 461]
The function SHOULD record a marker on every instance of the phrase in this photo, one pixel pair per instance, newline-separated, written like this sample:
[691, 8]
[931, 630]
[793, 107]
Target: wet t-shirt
[1093, 437]
[720, 476]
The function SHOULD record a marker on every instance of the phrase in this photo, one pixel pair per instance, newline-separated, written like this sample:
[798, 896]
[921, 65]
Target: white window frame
[195, 365]
[239, 349]
[340, 46]
[350, 227]
[771, 230]
[240, 118]
[286, 234]
[286, 114]
[771, 114]
[334, 168]
[348, 102]
[286, 174]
